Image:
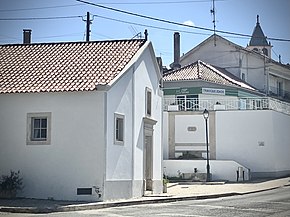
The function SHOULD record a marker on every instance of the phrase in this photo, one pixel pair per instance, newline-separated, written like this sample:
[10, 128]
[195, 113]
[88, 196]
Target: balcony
[196, 104]
[279, 93]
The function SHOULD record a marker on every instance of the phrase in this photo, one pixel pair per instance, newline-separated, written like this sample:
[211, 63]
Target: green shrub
[12, 182]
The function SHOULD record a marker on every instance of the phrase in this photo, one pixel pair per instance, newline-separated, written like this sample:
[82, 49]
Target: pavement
[175, 192]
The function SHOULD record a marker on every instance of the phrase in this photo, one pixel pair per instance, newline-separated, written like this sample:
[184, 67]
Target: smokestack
[27, 36]
[176, 63]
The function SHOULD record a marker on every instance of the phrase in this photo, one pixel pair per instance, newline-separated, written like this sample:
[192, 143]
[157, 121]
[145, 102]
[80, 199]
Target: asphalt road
[269, 203]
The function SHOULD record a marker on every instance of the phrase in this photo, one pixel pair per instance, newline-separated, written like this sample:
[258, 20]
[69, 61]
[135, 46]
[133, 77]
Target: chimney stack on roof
[27, 36]
[176, 63]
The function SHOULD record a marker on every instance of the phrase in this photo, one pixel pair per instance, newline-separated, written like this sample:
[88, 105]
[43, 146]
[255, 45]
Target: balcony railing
[277, 93]
[195, 104]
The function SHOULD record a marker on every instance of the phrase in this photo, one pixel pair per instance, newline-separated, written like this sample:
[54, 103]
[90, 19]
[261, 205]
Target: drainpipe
[133, 128]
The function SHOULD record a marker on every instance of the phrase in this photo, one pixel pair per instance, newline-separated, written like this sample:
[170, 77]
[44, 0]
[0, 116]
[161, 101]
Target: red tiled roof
[73, 66]
[203, 71]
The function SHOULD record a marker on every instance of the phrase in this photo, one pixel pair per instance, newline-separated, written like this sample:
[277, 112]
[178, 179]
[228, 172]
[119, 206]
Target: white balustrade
[250, 103]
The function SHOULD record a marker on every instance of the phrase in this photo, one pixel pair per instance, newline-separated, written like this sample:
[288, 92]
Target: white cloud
[188, 22]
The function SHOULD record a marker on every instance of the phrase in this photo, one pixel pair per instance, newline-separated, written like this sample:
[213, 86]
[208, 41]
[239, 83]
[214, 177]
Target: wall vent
[84, 191]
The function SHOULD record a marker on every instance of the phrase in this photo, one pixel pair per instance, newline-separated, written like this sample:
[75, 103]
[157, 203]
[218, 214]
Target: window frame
[148, 104]
[189, 102]
[40, 128]
[30, 139]
[117, 140]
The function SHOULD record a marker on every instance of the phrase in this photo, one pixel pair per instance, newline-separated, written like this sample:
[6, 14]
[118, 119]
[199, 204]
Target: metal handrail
[242, 103]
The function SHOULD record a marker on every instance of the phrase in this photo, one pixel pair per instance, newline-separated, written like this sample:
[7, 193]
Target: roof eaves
[228, 78]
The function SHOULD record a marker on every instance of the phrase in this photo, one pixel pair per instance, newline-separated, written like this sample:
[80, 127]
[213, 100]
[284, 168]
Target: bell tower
[259, 41]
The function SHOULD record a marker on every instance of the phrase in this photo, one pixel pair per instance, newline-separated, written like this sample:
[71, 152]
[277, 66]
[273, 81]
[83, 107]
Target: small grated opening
[84, 191]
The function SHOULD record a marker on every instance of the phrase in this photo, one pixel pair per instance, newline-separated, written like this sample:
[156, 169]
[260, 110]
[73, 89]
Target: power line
[59, 36]
[39, 18]
[39, 8]
[143, 16]
[109, 3]
[156, 2]
[173, 22]
[161, 28]
[116, 20]
[229, 34]
[150, 26]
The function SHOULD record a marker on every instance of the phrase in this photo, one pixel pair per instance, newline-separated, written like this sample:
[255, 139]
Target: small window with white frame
[38, 128]
[119, 129]
[148, 103]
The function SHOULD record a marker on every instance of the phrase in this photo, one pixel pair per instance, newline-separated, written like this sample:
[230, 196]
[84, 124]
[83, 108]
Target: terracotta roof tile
[74, 66]
[203, 71]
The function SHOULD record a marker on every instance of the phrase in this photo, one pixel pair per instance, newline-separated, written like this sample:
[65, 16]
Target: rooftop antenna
[212, 11]
[134, 32]
[138, 35]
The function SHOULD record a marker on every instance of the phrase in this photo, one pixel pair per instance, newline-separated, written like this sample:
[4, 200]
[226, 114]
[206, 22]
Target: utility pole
[88, 27]
[88, 23]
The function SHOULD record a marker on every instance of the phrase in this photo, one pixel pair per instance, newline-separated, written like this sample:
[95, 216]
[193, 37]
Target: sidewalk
[175, 192]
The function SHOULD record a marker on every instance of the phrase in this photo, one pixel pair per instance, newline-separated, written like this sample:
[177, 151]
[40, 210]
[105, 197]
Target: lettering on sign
[182, 91]
[214, 91]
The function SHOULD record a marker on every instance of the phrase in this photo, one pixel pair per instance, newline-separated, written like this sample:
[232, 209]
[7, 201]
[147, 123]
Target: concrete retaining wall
[220, 170]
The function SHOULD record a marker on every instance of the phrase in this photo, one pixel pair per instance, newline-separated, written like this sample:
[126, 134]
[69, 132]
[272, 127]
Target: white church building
[81, 120]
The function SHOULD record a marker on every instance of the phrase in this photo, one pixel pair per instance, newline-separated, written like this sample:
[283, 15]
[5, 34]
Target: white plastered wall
[75, 157]
[258, 140]
[146, 75]
[124, 164]
[232, 58]
[119, 157]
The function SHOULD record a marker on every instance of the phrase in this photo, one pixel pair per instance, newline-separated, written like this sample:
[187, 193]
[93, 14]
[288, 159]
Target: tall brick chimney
[176, 63]
[27, 36]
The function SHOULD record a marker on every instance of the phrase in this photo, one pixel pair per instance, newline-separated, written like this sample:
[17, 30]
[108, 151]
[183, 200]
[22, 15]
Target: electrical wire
[39, 18]
[40, 8]
[156, 2]
[149, 26]
[173, 22]
[59, 36]
[230, 34]
[108, 3]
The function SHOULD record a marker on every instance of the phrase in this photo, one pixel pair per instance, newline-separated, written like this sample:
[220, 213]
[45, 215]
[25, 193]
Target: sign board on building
[182, 91]
[213, 91]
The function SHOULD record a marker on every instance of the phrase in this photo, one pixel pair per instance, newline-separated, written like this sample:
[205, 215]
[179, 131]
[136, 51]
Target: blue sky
[237, 16]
